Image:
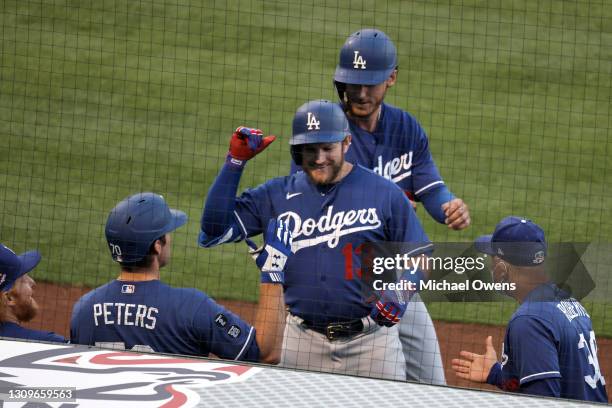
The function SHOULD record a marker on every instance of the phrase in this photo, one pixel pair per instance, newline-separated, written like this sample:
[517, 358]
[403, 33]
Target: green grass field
[101, 99]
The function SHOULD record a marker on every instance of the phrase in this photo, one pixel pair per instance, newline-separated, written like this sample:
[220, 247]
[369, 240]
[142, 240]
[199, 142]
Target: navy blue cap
[13, 266]
[517, 240]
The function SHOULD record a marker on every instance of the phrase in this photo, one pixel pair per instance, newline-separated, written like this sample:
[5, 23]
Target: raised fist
[246, 143]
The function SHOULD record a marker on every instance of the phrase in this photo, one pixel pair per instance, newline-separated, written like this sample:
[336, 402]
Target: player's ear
[9, 298]
[346, 143]
[158, 245]
[392, 79]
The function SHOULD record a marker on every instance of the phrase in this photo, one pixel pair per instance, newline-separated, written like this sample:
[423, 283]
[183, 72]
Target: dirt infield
[56, 304]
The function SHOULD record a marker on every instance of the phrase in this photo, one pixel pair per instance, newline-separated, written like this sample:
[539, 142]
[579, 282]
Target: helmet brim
[179, 218]
[483, 244]
[361, 77]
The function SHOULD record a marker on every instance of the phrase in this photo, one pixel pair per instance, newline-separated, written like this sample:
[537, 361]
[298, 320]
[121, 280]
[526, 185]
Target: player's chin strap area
[341, 89]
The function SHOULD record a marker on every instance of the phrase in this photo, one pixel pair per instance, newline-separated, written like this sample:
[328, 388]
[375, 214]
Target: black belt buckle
[336, 329]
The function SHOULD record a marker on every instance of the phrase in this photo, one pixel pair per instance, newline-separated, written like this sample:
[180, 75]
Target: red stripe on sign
[111, 359]
[69, 360]
[178, 398]
[237, 369]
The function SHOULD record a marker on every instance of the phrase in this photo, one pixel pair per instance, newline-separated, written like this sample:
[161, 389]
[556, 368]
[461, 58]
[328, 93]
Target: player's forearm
[270, 322]
[433, 200]
[221, 201]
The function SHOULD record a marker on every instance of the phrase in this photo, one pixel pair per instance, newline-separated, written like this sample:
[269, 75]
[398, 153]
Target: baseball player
[549, 348]
[332, 208]
[393, 144]
[17, 304]
[139, 312]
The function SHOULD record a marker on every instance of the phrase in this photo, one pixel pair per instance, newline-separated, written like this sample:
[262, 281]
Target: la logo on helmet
[359, 61]
[312, 121]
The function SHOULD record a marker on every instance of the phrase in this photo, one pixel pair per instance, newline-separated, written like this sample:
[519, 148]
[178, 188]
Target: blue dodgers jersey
[329, 229]
[9, 329]
[398, 150]
[551, 336]
[150, 315]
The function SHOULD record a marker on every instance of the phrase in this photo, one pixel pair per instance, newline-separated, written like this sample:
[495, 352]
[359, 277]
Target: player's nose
[320, 156]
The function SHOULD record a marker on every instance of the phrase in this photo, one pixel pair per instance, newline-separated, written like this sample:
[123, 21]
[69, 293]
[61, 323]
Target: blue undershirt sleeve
[433, 200]
[218, 214]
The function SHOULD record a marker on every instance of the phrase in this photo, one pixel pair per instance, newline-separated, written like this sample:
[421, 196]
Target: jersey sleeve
[224, 334]
[247, 218]
[425, 174]
[532, 350]
[404, 226]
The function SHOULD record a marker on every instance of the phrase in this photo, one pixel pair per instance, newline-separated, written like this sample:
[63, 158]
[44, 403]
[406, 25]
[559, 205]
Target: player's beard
[26, 311]
[362, 111]
[332, 171]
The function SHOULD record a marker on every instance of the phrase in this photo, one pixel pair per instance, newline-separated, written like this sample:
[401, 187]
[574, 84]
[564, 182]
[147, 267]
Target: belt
[336, 330]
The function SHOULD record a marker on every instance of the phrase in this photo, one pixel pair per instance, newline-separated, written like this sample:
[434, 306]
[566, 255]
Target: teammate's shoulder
[373, 178]
[97, 292]
[371, 181]
[15, 330]
[49, 336]
[394, 113]
[543, 313]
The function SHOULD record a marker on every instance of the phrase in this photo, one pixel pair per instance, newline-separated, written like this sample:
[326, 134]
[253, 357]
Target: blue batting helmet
[136, 222]
[368, 57]
[318, 121]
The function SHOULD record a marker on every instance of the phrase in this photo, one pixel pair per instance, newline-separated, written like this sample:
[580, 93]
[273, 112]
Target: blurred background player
[17, 303]
[332, 208]
[139, 312]
[393, 144]
[550, 347]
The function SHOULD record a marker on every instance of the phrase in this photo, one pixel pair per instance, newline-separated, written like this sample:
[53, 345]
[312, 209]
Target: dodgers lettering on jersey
[398, 150]
[153, 316]
[329, 228]
[551, 336]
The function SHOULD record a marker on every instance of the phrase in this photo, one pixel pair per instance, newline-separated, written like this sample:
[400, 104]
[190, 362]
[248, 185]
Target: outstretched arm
[218, 214]
[445, 208]
[476, 367]
[270, 318]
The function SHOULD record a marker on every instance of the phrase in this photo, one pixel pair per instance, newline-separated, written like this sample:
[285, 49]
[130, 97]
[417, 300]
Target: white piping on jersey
[244, 231]
[427, 186]
[537, 374]
[332, 239]
[226, 237]
[246, 342]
